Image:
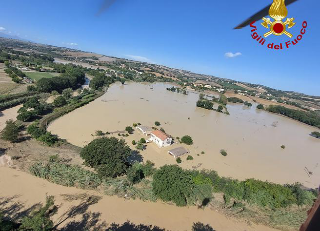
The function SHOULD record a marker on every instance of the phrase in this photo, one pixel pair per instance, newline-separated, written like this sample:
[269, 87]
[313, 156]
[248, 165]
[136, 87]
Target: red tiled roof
[161, 135]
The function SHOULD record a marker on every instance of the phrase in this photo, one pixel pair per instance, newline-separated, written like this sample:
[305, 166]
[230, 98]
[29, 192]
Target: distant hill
[4, 35]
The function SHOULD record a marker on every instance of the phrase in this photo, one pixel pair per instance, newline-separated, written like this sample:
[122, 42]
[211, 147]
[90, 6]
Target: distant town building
[160, 138]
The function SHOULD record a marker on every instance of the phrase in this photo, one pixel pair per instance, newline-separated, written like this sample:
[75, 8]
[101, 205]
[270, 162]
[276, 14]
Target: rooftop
[144, 128]
[176, 152]
[161, 135]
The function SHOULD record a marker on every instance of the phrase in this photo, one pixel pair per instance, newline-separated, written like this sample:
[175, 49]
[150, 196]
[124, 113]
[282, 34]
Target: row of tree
[310, 118]
[110, 158]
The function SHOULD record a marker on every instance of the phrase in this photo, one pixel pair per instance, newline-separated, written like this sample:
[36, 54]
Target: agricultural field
[39, 75]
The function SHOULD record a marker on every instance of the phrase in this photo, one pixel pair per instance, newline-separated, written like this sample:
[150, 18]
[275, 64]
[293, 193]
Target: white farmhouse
[160, 138]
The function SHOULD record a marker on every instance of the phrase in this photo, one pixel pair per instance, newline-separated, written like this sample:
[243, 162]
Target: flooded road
[252, 138]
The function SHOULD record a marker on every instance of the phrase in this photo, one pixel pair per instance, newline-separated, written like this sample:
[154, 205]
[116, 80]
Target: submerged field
[252, 138]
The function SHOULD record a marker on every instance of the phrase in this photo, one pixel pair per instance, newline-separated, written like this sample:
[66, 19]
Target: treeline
[14, 73]
[72, 77]
[235, 100]
[178, 90]
[110, 157]
[183, 187]
[100, 80]
[205, 103]
[10, 101]
[310, 118]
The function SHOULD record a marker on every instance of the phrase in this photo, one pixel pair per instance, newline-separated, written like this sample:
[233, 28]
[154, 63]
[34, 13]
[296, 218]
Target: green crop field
[39, 75]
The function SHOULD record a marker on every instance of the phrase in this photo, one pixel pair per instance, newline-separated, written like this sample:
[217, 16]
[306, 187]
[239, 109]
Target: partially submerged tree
[187, 140]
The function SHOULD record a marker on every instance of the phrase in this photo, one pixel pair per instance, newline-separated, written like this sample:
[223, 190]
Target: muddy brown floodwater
[252, 138]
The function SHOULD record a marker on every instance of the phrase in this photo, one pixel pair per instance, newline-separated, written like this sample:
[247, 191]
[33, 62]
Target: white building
[160, 138]
[145, 130]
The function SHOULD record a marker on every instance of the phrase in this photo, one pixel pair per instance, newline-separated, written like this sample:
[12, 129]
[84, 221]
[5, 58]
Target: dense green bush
[10, 132]
[108, 156]
[235, 100]
[35, 131]
[48, 139]
[59, 101]
[223, 152]
[220, 108]
[246, 103]
[172, 183]
[206, 104]
[260, 106]
[187, 140]
[41, 134]
[129, 129]
[32, 108]
[223, 99]
[316, 134]
[66, 175]
[157, 123]
[135, 173]
[179, 161]
[189, 157]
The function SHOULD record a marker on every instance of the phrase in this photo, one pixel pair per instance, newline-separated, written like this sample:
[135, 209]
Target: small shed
[145, 130]
[177, 152]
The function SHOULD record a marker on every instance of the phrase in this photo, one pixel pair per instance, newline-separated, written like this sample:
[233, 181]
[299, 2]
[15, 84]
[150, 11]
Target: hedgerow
[65, 174]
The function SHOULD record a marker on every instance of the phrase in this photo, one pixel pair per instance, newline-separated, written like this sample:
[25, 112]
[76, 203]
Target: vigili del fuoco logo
[278, 27]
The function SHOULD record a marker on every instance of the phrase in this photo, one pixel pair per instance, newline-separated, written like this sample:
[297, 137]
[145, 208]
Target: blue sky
[192, 35]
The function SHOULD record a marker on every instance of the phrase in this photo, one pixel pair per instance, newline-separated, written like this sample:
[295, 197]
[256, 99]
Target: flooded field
[9, 114]
[252, 138]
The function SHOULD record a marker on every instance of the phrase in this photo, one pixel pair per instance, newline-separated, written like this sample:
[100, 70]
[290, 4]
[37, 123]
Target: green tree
[67, 93]
[223, 99]
[109, 156]
[189, 157]
[140, 146]
[171, 183]
[316, 134]
[135, 173]
[223, 152]
[10, 132]
[187, 140]
[220, 108]
[157, 123]
[39, 220]
[99, 133]
[260, 106]
[129, 129]
[59, 101]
